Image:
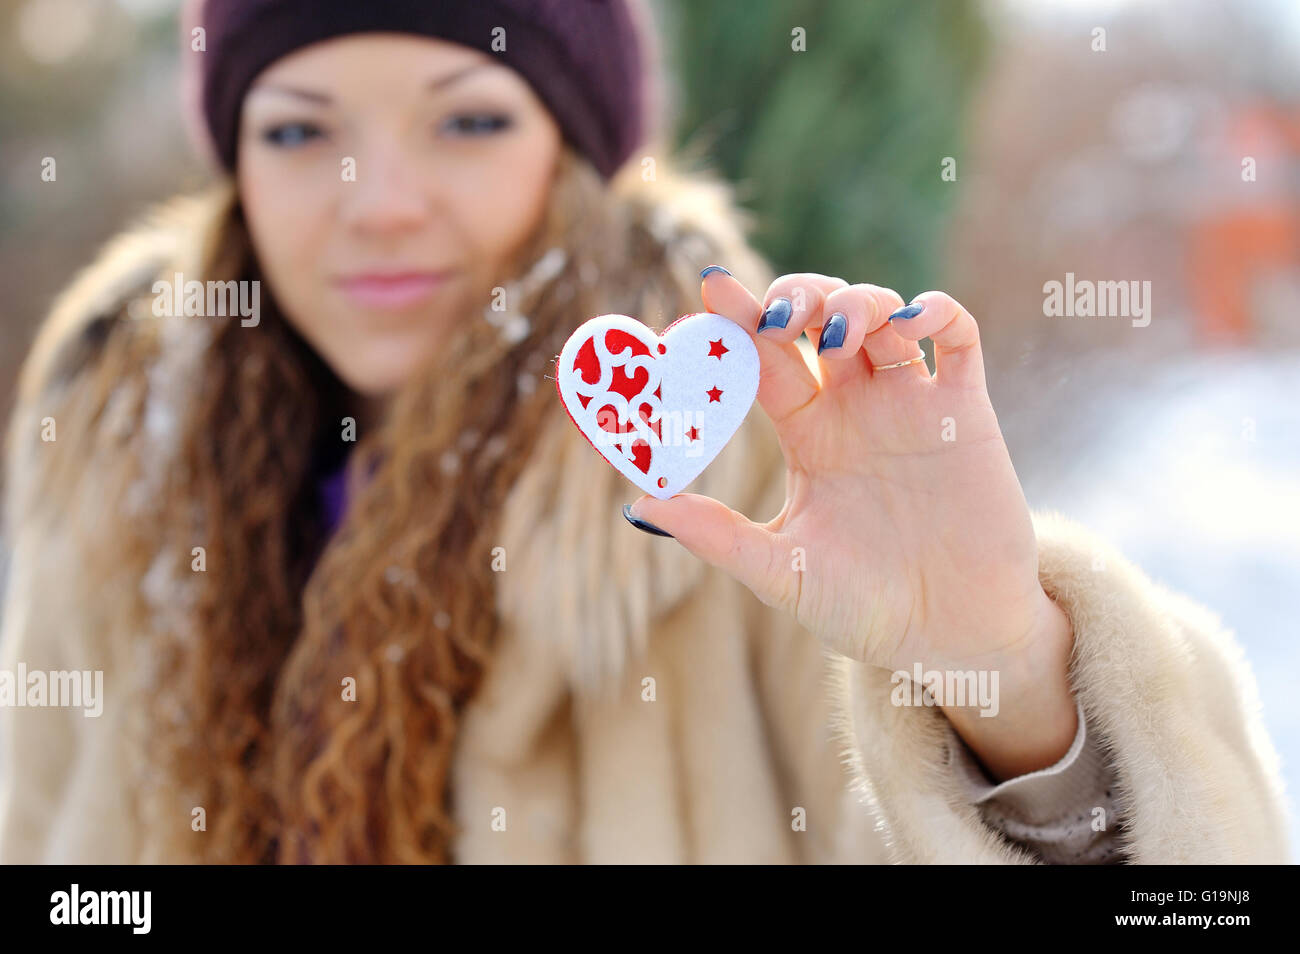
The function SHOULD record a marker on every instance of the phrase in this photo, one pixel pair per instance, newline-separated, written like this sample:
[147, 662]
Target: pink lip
[391, 290]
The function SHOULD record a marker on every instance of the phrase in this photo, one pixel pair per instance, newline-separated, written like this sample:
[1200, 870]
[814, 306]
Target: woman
[360, 591]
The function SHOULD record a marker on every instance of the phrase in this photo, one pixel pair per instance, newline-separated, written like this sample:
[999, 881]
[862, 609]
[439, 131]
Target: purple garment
[333, 488]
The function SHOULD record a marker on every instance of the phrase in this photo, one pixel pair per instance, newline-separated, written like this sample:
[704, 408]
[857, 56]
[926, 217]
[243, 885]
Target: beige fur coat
[643, 707]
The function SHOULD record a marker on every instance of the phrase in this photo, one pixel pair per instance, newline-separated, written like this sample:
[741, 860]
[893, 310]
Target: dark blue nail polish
[642, 524]
[711, 269]
[833, 332]
[907, 311]
[776, 315]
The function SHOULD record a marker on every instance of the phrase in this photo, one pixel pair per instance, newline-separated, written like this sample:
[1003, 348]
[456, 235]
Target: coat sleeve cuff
[1170, 706]
[1065, 813]
[1037, 796]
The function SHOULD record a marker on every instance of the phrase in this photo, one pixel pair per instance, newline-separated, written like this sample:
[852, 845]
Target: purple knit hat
[589, 61]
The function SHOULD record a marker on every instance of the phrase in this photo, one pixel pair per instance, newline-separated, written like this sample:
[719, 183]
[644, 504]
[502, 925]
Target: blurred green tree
[837, 149]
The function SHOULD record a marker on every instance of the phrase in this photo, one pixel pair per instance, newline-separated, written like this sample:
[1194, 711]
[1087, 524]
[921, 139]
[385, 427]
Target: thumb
[717, 535]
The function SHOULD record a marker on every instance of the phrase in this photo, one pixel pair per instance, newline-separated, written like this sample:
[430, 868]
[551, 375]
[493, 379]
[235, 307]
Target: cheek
[284, 215]
[286, 222]
[509, 199]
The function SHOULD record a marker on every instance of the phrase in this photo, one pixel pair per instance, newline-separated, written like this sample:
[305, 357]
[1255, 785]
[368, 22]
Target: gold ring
[898, 364]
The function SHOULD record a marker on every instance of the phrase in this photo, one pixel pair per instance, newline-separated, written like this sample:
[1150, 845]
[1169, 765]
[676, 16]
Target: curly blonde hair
[247, 711]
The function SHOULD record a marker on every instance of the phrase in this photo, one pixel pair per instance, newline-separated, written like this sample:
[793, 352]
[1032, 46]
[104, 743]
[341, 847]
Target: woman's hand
[905, 537]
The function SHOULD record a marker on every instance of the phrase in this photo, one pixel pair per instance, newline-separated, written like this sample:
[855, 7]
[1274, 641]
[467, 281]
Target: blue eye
[477, 124]
[291, 135]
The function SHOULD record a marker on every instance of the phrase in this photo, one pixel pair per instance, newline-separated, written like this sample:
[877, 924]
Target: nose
[385, 196]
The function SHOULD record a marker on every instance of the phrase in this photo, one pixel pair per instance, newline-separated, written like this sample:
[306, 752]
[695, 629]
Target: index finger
[785, 382]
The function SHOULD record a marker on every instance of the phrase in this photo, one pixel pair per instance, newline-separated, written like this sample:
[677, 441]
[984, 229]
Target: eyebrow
[325, 99]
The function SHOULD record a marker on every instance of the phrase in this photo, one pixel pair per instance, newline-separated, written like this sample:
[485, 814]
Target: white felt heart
[658, 407]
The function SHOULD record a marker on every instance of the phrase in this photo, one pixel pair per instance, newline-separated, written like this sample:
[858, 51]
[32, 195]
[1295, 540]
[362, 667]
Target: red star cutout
[693, 433]
[714, 394]
[716, 350]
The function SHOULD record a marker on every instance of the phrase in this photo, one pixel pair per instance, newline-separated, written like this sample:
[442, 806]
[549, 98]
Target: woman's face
[386, 179]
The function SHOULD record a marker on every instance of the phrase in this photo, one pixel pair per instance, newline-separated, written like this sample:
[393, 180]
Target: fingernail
[711, 269]
[776, 315]
[833, 332]
[907, 311]
[642, 524]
